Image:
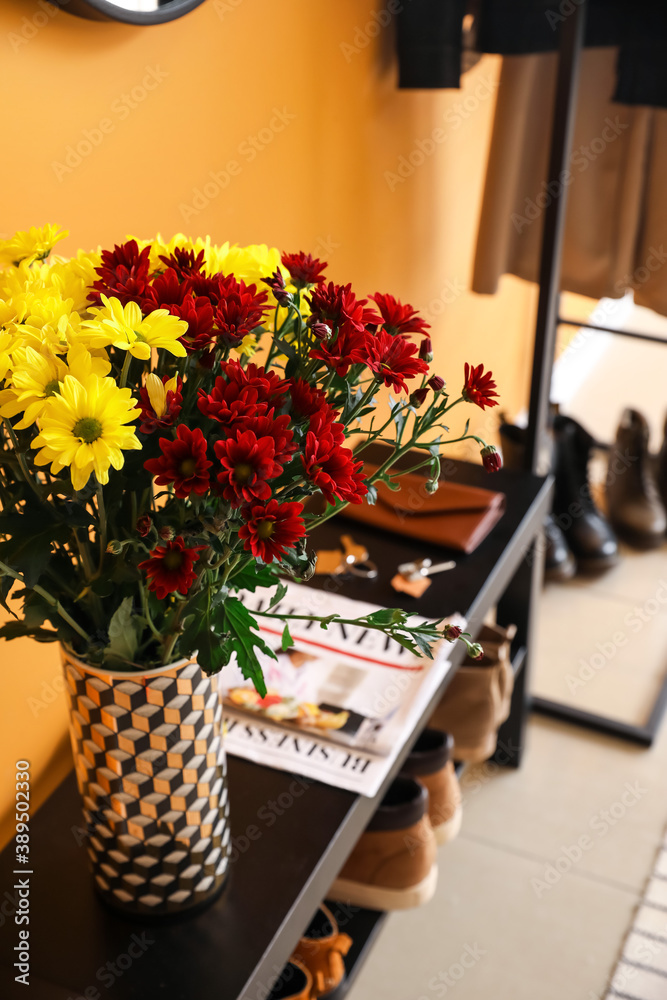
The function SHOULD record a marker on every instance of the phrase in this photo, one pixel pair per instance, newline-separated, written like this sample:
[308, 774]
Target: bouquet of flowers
[150, 470]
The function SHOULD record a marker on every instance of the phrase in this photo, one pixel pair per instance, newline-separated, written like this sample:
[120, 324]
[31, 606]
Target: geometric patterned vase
[150, 765]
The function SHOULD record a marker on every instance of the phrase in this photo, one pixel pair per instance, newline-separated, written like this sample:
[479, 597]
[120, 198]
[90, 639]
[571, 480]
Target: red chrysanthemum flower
[170, 567]
[307, 399]
[398, 318]
[304, 269]
[230, 403]
[173, 402]
[198, 314]
[184, 262]
[492, 460]
[329, 466]
[337, 352]
[391, 359]
[270, 387]
[337, 305]
[479, 387]
[248, 463]
[271, 529]
[210, 286]
[239, 311]
[123, 274]
[277, 428]
[183, 462]
[165, 291]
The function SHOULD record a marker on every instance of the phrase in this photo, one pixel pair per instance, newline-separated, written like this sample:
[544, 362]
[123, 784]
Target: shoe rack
[549, 320]
[288, 848]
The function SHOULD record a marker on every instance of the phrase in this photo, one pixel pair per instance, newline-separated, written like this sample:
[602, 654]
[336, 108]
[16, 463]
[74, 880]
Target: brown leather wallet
[456, 517]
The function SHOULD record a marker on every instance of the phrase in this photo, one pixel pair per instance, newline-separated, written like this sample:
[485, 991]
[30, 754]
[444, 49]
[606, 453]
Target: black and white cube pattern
[150, 764]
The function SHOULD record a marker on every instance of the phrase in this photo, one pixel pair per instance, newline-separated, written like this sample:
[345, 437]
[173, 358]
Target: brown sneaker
[392, 866]
[479, 697]
[430, 762]
[321, 950]
[295, 983]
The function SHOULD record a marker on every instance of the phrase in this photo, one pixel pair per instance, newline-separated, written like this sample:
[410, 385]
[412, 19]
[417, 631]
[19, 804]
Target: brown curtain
[616, 221]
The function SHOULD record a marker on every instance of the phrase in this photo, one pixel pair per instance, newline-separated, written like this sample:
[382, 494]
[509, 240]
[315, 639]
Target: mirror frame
[103, 10]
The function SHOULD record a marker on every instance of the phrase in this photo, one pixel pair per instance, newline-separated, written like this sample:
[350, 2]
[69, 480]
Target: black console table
[290, 841]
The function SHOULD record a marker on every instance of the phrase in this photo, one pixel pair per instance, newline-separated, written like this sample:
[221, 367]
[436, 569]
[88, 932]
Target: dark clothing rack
[548, 321]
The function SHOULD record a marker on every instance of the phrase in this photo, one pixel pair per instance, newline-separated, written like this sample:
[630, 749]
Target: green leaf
[254, 576]
[124, 631]
[6, 584]
[281, 590]
[243, 641]
[387, 616]
[210, 652]
[287, 641]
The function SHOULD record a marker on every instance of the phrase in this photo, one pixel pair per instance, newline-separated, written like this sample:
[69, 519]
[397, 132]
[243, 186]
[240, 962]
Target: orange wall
[153, 111]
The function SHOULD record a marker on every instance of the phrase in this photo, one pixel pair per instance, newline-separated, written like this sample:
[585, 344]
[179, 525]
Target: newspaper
[340, 702]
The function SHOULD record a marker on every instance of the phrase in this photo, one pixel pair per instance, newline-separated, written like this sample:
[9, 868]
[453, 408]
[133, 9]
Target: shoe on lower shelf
[430, 761]
[392, 866]
[295, 983]
[321, 951]
[479, 697]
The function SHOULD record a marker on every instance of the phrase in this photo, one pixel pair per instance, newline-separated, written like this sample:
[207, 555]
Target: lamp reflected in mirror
[130, 11]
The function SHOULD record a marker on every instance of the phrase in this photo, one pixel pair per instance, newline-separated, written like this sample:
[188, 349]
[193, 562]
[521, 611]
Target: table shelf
[234, 949]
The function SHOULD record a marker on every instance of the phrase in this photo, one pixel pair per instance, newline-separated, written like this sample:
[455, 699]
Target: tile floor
[504, 924]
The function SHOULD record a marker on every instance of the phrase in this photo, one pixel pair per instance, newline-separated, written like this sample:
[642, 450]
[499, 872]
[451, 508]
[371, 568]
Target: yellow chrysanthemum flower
[73, 278]
[34, 244]
[162, 248]
[38, 375]
[86, 428]
[125, 328]
[248, 346]
[51, 321]
[251, 263]
[8, 344]
[157, 392]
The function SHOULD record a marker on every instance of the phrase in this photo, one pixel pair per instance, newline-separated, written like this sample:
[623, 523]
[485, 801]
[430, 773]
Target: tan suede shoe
[321, 950]
[479, 698]
[295, 983]
[392, 866]
[430, 762]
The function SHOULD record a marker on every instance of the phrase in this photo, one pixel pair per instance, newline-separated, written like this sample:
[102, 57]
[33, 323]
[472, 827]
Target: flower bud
[144, 524]
[418, 396]
[475, 651]
[426, 350]
[451, 632]
[431, 486]
[167, 533]
[436, 383]
[276, 283]
[114, 548]
[492, 460]
[320, 330]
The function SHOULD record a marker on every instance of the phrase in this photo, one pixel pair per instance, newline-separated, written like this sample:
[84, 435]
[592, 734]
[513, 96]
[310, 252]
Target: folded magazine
[340, 702]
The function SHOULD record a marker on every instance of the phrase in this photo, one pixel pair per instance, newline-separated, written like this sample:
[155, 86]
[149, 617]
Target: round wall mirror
[130, 11]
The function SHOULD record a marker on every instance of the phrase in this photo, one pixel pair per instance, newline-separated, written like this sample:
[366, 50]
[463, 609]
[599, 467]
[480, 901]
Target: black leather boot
[662, 468]
[588, 534]
[559, 563]
[635, 509]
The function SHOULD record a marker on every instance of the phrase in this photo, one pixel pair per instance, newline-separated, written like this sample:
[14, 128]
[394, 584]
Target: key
[424, 567]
